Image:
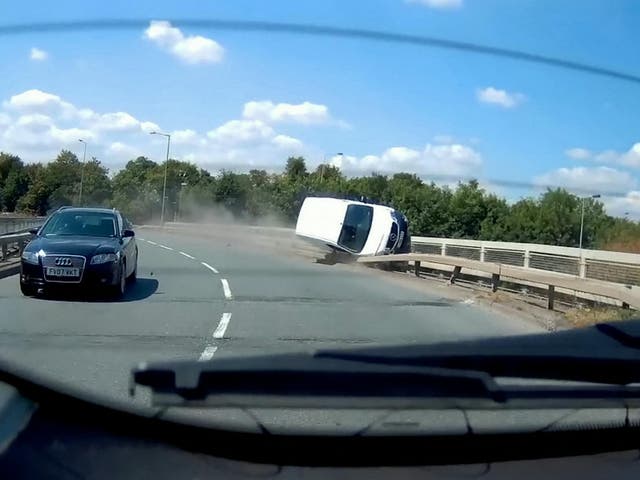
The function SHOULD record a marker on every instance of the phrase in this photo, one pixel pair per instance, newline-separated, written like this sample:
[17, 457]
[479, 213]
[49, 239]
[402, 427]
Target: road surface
[196, 298]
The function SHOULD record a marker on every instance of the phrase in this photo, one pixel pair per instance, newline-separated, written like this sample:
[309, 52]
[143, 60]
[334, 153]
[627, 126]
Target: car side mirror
[128, 234]
[33, 231]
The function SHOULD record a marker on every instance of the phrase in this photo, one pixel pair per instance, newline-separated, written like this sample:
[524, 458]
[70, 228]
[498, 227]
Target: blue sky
[242, 99]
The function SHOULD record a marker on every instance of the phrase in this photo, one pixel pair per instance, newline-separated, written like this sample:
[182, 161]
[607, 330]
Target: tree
[8, 163]
[16, 185]
[296, 168]
[493, 226]
[63, 178]
[97, 188]
[133, 192]
[467, 210]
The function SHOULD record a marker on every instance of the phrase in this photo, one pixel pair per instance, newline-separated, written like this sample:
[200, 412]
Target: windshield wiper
[447, 375]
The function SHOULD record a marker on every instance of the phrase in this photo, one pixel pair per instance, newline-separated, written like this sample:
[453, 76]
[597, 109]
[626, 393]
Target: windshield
[94, 224]
[355, 228]
[505, 133]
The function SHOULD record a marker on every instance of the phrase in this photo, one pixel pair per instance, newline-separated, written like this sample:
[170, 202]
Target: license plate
[63, 272]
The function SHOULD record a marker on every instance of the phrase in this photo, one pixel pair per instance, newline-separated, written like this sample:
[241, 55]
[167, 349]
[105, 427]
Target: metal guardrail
[13, 243]
[614, 267]
[19, 224]
[627, 295]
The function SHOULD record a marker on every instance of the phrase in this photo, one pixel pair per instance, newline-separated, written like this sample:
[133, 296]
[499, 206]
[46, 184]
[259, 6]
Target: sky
[246, 99]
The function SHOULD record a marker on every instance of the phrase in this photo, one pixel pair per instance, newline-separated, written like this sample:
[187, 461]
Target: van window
[355, 228]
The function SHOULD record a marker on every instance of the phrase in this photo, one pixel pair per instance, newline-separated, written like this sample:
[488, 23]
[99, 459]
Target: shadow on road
[141, 289]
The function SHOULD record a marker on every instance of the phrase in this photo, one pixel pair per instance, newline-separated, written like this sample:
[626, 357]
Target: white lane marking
[165, 247]
[207, 354]
[187, 255]
[210, 267]
[140, 238]
[152, 243]
[225, 287]
[222, 326]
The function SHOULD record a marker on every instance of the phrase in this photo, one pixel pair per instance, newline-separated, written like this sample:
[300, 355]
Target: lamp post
[324, 163]
[84, 157]
[166, 164]
[582, 215]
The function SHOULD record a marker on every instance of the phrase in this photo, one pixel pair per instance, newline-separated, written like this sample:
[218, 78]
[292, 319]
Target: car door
[128, 245]
[132, 245]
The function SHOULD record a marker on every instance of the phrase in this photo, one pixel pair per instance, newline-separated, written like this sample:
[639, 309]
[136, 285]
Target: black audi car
[80, 247]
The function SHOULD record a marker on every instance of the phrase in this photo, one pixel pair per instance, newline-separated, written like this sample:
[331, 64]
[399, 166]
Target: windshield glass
[169, 158]
[356, 226]
[94, 224]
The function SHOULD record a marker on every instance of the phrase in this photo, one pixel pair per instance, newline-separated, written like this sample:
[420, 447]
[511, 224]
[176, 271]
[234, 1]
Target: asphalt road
[196, 298]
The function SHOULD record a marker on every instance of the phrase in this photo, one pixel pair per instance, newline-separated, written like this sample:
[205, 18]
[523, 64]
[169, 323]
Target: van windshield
[355, 228]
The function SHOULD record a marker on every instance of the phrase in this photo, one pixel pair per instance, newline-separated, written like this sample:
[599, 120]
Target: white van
[355, 227]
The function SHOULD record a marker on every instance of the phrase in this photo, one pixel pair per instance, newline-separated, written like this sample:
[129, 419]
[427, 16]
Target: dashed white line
[140, 238]
[165, 247]
[225, 287]
[222, 326]
[209, 267]
[152, 243]
[187, 255]
[207, 354]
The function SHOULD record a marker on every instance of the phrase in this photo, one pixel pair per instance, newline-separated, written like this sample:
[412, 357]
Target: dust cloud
[265, 232]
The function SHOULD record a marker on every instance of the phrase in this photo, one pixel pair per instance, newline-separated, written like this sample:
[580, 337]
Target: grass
[586, 316]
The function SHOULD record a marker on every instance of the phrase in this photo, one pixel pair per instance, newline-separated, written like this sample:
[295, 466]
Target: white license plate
[63, 272]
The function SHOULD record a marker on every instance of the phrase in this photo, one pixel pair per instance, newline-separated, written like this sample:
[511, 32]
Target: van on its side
[354, 227]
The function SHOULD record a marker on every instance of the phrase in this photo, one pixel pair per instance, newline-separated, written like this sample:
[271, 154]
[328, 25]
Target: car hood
[76, 245]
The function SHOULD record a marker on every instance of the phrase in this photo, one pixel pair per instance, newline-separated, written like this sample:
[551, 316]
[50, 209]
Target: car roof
[88, 210]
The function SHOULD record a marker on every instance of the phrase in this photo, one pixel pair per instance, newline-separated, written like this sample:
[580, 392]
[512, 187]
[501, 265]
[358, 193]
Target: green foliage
[466, 211]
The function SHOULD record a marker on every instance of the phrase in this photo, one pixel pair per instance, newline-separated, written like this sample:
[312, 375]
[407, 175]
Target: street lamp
[84, 157]
[324, 162]
[166, 164]
[582, 215]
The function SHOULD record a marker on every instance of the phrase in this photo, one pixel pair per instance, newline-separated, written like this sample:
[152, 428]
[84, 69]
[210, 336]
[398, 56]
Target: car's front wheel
[134, 275]
[27, 290]
[120, 287]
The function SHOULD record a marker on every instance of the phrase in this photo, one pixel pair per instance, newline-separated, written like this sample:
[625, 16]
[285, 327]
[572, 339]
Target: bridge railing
[13, 244]
[614, 267]
[19, 224]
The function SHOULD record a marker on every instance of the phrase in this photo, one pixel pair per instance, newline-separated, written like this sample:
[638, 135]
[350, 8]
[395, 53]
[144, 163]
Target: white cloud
[187, 137]
[589, 180]
[439, 4]
[38, 55]
[269, 112]
[117, 122]
[36, 125]
[148, 127]
[578, 153]
[39, 131]
[630, 158]
[499, 97]
[245, 132]
[448, 160]
[36, 100]
[287, 143]
[621, 206]
[193, 49]
[122, 151]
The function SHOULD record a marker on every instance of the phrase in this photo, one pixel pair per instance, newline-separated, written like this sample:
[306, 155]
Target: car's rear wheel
[27, 290]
